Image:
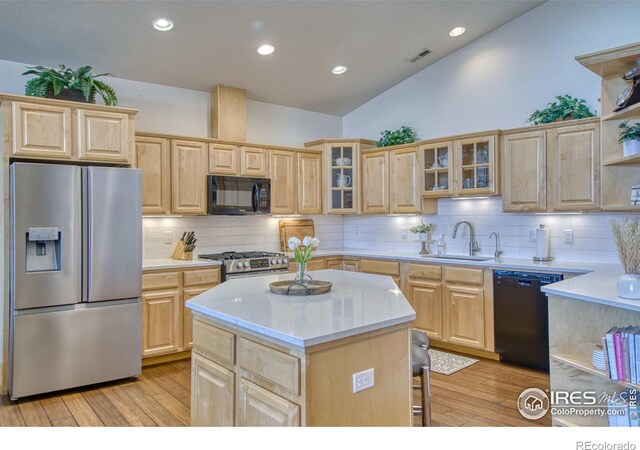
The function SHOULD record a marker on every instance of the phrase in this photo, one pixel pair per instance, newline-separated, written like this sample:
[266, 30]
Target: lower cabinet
[212, 394]
[424, 292]
[464, 315]
[259, 407]
[166, 322]
[381, 267]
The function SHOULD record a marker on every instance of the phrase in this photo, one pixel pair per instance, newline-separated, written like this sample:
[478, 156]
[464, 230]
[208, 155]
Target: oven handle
[255, 197]
[256, 274]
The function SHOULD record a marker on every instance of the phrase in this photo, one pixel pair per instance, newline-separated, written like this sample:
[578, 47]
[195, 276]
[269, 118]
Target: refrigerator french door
[75, 276]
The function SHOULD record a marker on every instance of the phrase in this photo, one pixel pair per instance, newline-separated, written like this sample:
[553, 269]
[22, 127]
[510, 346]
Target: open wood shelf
[625, 160]
[631, 111]
[582, 363]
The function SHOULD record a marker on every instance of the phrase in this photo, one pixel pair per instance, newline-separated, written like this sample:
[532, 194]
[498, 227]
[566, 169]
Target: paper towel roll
[542, 243]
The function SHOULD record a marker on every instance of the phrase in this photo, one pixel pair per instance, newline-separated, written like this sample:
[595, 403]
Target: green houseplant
[565, 108]
[403, 135]
[629, 138]
[423, 230]
[68, 84]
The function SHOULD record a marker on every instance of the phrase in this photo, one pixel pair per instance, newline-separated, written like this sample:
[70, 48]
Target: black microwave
[238, 195]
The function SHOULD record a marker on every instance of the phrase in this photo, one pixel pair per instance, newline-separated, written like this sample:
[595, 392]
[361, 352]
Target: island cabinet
[553, 167]
[454, 305]
[242, 379]
[47, 129]
[166, 323]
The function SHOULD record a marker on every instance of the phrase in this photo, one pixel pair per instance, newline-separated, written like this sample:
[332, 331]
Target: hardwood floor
[481, 395]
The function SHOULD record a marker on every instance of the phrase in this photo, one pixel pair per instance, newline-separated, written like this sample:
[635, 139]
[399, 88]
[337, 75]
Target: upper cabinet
[437, 165]
[53, 129]
[283, 182]
[309, 183]
[153, 158]
[404, 181]
[296, 182]
[224, 159]
[189, 164]
[552, 167]
[341, 173]
[254, 162]
[375, 182]
[475, 166]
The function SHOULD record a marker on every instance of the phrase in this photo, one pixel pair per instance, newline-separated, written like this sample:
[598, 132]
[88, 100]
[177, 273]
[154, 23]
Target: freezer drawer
[78, 346]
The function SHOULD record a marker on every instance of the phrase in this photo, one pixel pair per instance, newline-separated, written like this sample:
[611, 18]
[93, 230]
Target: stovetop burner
[225, 256]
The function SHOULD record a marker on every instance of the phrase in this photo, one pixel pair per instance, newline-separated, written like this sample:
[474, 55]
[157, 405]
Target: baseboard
[464, 350]
[153, 360]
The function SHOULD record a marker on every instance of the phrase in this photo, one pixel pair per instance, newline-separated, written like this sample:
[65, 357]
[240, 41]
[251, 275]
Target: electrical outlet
[363, 380]
[404, 230]
[168, 237]
[568, 236]
[532, 235]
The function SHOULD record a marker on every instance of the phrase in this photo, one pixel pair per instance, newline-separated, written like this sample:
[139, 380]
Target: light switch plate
[168, 237]
[404, 230]
[532, 235]
[363, 380]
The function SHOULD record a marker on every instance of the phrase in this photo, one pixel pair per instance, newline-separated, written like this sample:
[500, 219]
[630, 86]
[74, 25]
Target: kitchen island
[264, 359]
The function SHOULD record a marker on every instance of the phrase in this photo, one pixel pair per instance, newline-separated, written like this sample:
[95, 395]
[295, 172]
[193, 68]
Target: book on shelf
[621, 347]
[623, 410]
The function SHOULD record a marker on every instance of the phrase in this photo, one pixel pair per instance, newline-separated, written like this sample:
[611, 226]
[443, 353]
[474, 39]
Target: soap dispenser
[441, 246]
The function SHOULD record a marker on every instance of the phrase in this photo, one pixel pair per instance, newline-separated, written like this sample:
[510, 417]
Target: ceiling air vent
[420, 55]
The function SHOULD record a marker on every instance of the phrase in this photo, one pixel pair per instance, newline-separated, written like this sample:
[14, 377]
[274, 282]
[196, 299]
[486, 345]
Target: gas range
[245, 264]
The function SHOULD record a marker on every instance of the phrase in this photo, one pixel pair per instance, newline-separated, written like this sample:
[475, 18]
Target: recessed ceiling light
[162, 24]
[457, 31]
[337, 70]
[266, 49]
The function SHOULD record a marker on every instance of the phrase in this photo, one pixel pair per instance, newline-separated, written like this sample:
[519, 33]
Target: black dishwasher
[521, 317]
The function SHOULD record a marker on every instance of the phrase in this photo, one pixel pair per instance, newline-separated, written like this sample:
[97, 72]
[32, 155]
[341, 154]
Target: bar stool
[421, 366]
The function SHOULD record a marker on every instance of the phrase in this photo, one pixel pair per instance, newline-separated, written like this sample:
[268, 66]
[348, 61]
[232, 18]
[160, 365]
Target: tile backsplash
[224, 233]
[592, 239]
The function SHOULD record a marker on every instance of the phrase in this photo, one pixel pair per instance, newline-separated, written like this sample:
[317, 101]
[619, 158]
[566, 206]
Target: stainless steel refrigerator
[76, 276]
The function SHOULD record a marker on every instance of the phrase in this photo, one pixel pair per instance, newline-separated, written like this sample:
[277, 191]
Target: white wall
[592, 239]
[217, 234]
[500, 79]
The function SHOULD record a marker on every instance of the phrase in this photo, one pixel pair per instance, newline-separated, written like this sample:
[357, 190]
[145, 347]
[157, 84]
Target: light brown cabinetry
[524, 171]
[44, 129]
[552, 167]
[212, 394]
[283, 182]
[375, 182]
[309, 183]
[574, 167]
[103, 136]
[463, 307]
[259, 407]
[189, 161]
[404, 181]
[437, 164]
[254, 162]
[41, 131]
[424, 292]
[381, 267]
[153, 158]
[475, 166]
[223, 159]
[166, 322]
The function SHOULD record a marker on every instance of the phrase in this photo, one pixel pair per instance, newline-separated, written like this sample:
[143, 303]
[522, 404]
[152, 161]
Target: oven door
[238, 195]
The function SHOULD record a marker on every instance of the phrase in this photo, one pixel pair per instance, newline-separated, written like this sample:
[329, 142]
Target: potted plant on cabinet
[403, 135]
[67, 84]
[629, 138]
[565, 108]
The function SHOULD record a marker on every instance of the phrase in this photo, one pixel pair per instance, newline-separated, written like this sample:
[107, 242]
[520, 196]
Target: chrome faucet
[498, 251]
[473, 244]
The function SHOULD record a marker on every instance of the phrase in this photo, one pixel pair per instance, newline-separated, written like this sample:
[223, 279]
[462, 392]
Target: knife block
[180, 253]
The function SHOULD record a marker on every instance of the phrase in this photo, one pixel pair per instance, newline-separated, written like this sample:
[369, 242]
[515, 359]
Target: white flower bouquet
[302, 252]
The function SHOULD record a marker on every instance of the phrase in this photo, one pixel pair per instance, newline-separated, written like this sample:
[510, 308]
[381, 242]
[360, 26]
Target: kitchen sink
[462, 257]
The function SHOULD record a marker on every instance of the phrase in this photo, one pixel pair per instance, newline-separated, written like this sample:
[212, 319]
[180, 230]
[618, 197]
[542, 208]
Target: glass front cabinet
[475, 166]
[437, 164]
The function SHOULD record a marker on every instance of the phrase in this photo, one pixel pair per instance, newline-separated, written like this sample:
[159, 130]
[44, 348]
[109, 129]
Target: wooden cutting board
[295, 228]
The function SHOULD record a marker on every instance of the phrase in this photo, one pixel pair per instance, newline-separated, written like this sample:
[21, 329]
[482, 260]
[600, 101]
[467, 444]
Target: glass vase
[301, 273]
[629, 286]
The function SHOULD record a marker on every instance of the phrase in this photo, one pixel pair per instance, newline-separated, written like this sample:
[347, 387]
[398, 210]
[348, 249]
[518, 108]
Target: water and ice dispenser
[43, 249]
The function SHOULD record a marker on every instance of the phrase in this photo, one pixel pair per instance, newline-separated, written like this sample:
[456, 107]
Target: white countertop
[168, 263]
[357, 303]
[527, 264]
